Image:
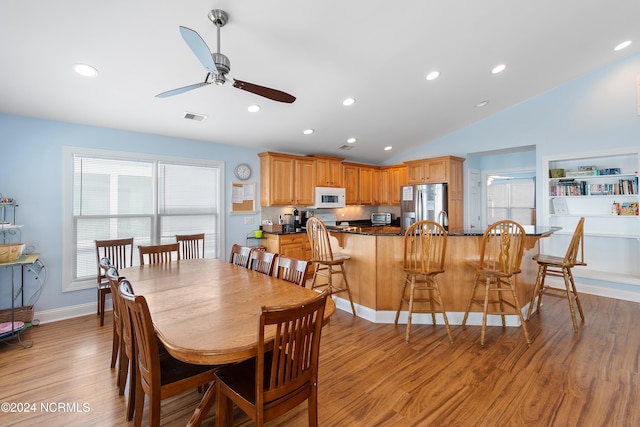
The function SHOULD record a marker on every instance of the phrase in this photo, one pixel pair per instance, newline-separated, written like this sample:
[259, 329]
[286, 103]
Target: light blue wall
[31, 173]
[593, 113]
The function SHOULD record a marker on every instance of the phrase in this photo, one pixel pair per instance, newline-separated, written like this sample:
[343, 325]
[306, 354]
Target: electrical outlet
[248, 220]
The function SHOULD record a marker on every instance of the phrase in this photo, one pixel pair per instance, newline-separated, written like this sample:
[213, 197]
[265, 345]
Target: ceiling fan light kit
[218, 65]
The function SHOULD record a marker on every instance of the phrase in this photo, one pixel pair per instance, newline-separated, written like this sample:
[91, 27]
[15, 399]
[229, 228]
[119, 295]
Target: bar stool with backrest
[159, 254]
[120, 255]
[163, 376]
[500, 258]
[240, 255]
[262, 261]
[549, 265]
[191, 245]
[425, 245]
[278, 379]
[292, 270]
[325, 262]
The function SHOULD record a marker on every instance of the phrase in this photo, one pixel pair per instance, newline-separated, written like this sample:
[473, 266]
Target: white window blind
[511, 197]
[149, 200]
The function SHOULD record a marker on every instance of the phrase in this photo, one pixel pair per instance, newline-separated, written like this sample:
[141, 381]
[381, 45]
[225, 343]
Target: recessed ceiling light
[253, 108]
[482, 104]
[498, 69]
[85, 70]
[308, 131]
[433, 75]
[387, 148]
[348, 101]
[623, 45]
[351, 140]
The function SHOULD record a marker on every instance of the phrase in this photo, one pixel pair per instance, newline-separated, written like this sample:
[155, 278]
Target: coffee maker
[304, 216]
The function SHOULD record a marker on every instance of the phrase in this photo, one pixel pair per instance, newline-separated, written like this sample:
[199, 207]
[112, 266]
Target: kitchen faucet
[443, 218]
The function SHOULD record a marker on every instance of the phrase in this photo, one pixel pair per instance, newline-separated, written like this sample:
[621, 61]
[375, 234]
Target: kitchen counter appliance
[380, 218]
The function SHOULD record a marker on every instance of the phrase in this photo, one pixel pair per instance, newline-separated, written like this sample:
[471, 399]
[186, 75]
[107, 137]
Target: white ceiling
[378, 52]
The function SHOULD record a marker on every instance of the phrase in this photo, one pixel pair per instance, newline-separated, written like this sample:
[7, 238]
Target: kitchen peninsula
[375, 270]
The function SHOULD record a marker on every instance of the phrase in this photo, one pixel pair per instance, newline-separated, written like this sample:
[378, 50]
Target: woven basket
[21, 314]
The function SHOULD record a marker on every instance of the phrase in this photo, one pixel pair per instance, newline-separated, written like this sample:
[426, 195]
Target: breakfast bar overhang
[375, 273]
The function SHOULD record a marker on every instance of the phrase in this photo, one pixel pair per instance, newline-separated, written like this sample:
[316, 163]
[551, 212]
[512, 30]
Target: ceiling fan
[218, 65]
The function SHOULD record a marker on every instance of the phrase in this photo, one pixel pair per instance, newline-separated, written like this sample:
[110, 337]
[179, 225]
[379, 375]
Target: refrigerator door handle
[419, 213]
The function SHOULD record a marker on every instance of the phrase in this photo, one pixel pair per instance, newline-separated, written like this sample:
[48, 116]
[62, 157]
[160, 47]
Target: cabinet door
[385, 187]
[281, 181]
[329, 173]
[366, 179]
[436, 171]
[351, 183]
[397, 178]
[305, 177]
[295, 246]
[416, 172]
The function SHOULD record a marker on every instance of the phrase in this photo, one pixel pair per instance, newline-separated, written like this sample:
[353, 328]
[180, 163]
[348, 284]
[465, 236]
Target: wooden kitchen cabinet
[328, 171]
[391, 179]
[294, 245]
[430, 171]
[286, 180]
[361, 184]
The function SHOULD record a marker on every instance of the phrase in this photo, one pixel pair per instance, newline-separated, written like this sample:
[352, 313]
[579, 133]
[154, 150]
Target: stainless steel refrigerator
[424, 202]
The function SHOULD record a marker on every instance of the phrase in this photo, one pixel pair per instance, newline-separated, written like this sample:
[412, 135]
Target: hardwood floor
[370, 377]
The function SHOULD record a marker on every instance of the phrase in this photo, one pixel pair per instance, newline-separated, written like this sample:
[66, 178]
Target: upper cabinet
[328, 171]
[391, 179]
[434, 170]
[361, 183]
[286, 180]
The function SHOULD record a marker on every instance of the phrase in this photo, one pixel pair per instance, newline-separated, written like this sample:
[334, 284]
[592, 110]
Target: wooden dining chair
[500, 258]
[240, 255]
[159, 254]
[425, 246]
[159, 377]
[262, 261]
[325, 262]
[276, 381]
[191, 245]
[120, 255]
[555, 266]
[292, 270]
[117, 347]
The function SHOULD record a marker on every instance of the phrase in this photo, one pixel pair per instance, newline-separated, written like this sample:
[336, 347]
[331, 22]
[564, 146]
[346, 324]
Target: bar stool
[549, 265]
[425, 245]
[326, 263]
[500, 258]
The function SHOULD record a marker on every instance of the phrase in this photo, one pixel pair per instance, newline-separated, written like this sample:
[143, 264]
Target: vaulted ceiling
[322, 52]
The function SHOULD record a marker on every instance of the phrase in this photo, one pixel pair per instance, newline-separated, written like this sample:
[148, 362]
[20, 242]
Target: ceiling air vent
[345, 147]
[195, 116]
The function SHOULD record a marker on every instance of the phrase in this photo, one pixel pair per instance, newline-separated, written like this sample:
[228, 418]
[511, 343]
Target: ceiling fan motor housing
[222, 63]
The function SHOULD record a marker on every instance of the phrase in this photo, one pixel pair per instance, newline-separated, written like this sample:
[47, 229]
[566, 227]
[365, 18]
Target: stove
[330, 220]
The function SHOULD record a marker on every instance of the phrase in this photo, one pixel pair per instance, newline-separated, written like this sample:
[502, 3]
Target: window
[511, 196]
[115, 195]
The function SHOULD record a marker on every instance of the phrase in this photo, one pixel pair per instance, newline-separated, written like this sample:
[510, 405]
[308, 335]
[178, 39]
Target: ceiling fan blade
[199, 48]
[276, 95]
[181, 90]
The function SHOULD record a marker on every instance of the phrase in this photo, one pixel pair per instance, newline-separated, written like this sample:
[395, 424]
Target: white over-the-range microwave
[330, 197]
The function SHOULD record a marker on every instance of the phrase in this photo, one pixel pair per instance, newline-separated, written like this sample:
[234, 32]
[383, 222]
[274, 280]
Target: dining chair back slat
[262, 261]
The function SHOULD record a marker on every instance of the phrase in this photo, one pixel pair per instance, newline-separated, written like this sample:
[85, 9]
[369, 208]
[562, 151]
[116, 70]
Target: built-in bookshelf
[603, 188]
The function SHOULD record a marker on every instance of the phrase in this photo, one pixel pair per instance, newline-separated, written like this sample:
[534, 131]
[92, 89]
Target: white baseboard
[47, 316]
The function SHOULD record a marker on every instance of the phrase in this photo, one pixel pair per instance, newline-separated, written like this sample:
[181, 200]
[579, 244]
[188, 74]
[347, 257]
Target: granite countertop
[391, 230]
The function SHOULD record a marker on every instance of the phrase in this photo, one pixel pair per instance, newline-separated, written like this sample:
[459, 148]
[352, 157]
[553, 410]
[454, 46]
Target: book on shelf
[560, 207]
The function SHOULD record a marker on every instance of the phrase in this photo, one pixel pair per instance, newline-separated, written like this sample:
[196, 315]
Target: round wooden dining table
[206, 311]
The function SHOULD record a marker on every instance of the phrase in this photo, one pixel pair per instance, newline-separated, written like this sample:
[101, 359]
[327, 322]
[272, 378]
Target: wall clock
[243, 171]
